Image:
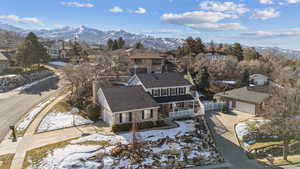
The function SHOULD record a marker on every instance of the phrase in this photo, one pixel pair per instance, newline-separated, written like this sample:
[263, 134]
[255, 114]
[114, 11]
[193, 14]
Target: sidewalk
[30, 140]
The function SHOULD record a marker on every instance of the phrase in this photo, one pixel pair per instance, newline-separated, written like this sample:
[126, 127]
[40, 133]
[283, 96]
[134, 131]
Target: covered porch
[177, 108]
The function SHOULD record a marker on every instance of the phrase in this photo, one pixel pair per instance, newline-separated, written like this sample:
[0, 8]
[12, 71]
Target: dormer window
[156, 92]
[173, 91]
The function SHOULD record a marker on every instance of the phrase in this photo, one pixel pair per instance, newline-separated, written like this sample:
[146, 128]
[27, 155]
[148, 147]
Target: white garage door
[245, 107]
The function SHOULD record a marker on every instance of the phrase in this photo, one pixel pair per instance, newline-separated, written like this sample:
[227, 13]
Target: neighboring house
[259, 79]
[212, 57]
[170, 90]
[4, 62]
[247, 99]
[145, 61]
[124, 103]
[151, 96]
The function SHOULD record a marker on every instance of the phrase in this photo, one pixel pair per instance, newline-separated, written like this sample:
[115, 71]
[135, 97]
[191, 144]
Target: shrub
[141, 126]
[93, 111]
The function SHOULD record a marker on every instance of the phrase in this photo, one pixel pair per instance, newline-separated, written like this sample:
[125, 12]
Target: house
[124, 103]
[258, 79]
[150, 97]
[170, 90]
[4, 62]
[247, 99]
[145, 61]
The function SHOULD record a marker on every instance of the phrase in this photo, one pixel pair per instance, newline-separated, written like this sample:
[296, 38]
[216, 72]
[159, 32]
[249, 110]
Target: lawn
[5, 161]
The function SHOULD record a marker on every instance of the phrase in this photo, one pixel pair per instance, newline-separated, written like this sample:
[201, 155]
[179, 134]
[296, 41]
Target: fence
[181, 114]
[213, 106]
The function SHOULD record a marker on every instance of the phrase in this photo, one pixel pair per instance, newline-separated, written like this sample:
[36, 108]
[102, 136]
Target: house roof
[169, 99]
[126, 98]
[2, 57]
[167, 79]
[256, 94]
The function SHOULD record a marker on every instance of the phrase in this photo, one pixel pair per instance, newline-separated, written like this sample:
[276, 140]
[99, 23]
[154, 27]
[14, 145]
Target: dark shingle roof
[125, 98]
[167, 79]
[173, 99]
[249, 94]
[2, 57]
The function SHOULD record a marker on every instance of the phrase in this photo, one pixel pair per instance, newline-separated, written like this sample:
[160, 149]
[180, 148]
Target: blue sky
[251, 22]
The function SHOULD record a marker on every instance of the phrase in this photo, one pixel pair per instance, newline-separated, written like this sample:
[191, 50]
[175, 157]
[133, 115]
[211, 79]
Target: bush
[141, 126]
[93, 111]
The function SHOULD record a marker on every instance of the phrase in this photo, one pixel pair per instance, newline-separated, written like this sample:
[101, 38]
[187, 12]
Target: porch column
[193, 106]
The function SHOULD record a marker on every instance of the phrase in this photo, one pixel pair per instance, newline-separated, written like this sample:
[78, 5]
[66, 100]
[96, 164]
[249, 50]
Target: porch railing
[182, 113]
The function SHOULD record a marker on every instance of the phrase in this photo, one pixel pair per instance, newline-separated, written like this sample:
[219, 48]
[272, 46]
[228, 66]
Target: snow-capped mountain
[11, 28]
[279, 51]
[95, 36]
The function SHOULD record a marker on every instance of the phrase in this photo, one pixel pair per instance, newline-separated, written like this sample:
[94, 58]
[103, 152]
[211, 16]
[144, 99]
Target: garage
[245, 107]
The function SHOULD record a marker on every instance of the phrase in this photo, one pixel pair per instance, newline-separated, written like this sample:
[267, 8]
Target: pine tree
[237, 51]
[115, 45]
[200, 47]
[246, 78]
[202, 79]
[139, 45]
[212, 47]
[110, 43]
[121, 42]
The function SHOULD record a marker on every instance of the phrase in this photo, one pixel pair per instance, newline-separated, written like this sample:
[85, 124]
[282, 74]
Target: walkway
[30, 140]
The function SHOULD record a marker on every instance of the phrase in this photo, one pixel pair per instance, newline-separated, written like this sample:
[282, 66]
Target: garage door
[245, 107]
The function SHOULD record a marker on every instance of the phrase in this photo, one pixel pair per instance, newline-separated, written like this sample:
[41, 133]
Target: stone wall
[13, 81]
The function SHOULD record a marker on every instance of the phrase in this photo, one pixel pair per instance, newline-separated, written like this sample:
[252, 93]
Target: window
[182, 91]
[147, 114]
[129, 116]
[156, 93]
[173, 92]
[138, 61]
[121, 118]
[151, 113]
[143, 115]
[164, 92]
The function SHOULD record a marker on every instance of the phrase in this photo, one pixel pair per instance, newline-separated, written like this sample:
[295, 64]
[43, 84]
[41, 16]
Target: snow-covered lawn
[32, 114]
[158, 147]
[58, 63]
[59, 120]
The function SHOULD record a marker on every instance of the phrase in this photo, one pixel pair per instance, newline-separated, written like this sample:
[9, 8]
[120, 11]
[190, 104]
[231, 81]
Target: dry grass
[6, 161]
[34, 156]
[279, 161]
[61, 106]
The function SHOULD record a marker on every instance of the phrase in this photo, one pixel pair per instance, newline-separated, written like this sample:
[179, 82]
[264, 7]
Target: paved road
[14, 105]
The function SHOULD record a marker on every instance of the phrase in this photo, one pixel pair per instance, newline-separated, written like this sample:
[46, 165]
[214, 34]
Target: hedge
[141, 126]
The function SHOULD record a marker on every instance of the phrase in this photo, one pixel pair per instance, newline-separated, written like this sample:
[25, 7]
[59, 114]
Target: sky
[269, 23]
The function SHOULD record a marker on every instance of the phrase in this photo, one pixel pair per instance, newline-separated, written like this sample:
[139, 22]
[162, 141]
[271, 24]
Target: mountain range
[95, 36]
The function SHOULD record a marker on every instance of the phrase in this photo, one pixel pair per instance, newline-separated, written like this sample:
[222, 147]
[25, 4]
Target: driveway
[13, 105]
[222, 126]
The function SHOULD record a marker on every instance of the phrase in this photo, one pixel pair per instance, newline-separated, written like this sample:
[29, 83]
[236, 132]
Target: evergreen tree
[212, 47]
[115, 45]
[237, 52]
[251, 54]
[202, 79]
[121, 42]
[200, 47]
[31, 51]
[139, 45]
[246, 78]
[110, 43]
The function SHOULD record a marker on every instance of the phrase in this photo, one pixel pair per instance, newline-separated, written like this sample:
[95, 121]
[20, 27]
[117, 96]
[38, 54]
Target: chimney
[96, 86]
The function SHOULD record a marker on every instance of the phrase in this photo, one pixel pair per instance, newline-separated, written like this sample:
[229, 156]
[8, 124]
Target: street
[14, 104]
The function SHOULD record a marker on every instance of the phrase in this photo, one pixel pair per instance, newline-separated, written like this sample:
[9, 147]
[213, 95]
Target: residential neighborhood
[196, 94]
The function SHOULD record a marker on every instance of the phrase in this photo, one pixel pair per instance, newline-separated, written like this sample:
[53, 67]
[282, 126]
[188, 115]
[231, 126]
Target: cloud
[201, 20]
[26, 20]
[266, 1]
[169, 31]
[265, 14]
[78, 5]
[138, 11]
[293, 1]
[293, 32]
[227, 7]
[116, 9]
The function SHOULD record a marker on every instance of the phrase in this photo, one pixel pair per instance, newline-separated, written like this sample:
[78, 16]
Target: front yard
[259, 145]
[62, 115]
[190, 144]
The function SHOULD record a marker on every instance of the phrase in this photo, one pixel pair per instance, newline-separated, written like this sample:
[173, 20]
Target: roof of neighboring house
[126, 98]
[144, 54]
[169, 99]
[166, 79]
[2, 57]
[255, 94]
